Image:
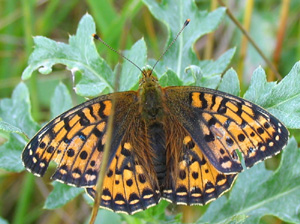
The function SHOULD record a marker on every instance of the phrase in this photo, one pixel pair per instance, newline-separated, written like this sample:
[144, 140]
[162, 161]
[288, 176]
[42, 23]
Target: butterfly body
[176, 143]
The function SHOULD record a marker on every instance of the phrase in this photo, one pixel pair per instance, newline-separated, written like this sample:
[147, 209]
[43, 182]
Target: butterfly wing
[130, 184]
[220, 124]
[75, 139]
[191, 179]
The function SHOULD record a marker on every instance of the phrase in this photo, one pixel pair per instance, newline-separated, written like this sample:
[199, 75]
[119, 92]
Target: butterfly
[180, 144]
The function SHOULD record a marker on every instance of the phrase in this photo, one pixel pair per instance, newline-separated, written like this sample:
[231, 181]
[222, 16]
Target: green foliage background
[142, 29]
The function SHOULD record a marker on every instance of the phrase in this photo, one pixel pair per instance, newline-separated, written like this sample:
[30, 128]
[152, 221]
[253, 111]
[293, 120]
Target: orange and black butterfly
[180, 144]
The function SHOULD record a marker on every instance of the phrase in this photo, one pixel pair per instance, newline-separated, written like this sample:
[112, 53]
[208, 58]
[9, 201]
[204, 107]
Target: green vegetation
[141, 29]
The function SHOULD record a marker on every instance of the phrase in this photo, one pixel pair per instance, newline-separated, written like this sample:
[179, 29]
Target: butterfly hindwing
[221, 123]
[75, 140]
[191, 179]
[130, 184]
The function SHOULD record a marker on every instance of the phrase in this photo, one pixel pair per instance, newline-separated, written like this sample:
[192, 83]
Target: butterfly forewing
[220, 124]
[75, 140]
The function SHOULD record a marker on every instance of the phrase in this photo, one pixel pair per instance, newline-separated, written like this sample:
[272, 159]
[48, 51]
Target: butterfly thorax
[151, 103]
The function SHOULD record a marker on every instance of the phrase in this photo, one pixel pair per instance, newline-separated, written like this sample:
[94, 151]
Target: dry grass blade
[239, 25]
[106, 151]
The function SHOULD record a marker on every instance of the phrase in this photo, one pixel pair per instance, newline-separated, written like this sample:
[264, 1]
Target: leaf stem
[25, 197]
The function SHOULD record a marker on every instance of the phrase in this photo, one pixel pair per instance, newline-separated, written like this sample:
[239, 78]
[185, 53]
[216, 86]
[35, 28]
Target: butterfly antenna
[184, 25]
[103, 42]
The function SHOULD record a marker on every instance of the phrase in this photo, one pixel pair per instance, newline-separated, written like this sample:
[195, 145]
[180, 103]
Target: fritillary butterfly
[175, 143]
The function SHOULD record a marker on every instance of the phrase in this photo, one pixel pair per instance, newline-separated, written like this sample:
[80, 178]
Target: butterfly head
[148, 79]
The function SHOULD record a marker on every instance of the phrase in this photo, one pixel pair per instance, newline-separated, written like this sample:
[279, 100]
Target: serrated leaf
[282, 99]
[200, 79]
[258, 192]
[230, 83]
[217, 67]
[259, 90]
[61, 195]
[4, 126]
[16, 111]
[170, 79]
[173, 14]
[10, 153]
[80, 54]
[130, 74]
[284, 102]
[60, 101]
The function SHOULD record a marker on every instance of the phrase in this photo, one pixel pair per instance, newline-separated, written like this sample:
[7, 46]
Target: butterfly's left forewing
[75, 139]
[220, 124]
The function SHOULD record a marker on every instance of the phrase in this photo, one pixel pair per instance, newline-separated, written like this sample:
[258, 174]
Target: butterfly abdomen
[158, 145]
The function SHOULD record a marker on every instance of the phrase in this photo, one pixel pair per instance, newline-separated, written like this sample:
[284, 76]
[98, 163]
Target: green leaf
[107, 217]
[217, 67]
[170, 79]
[4, 126]
[201, 79]
[258, 192]
[282, 99]
[80, 54]
[10, 153]
[208, 74]
[259, 90]
[61, 100]
[16, 111]
[130, 74]
[173, 14]
[230, 83]
[154, 215]
[61, 195]
[17, 120]
[285, 99]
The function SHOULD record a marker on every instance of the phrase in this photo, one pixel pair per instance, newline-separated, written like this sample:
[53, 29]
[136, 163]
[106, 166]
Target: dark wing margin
[221, 123]
[75, 139]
